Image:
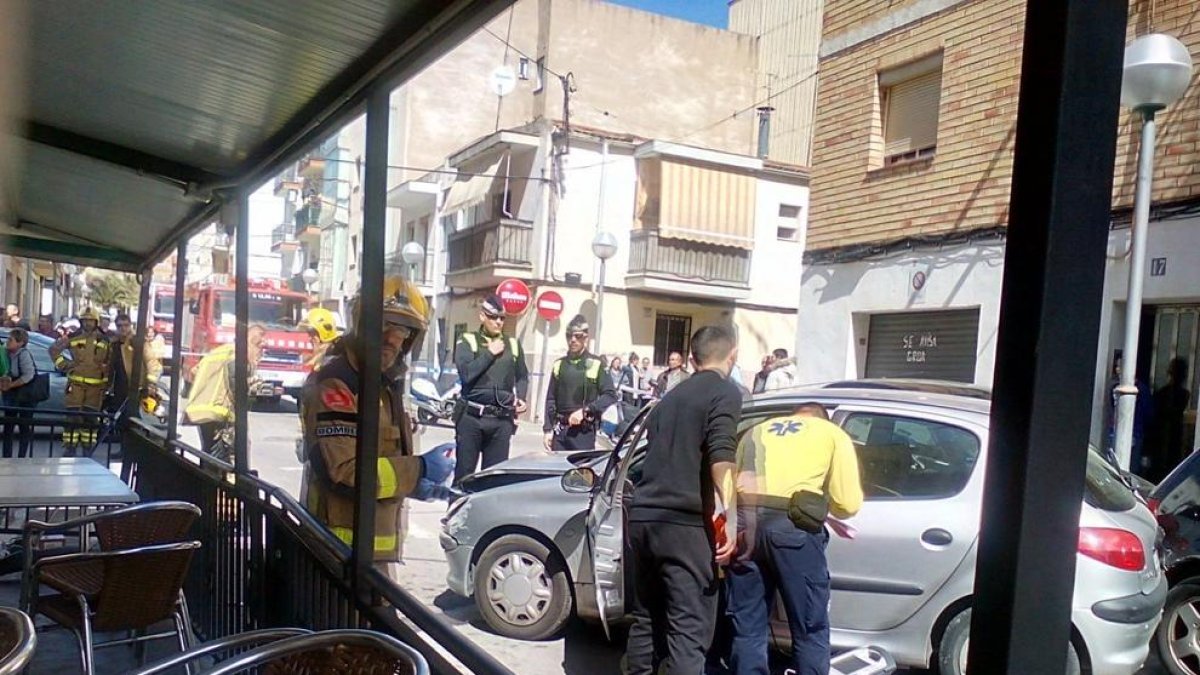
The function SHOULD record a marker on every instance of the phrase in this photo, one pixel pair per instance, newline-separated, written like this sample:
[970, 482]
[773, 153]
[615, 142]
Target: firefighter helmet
[403, 305]
[322, 322]
[89, 314]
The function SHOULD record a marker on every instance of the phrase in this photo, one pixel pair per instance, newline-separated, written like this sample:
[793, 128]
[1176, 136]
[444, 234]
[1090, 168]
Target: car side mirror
[579, 481]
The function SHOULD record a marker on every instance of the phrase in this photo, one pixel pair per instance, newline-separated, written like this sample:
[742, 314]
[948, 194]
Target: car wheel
[952, 652]
[522, 589]
[1178, 635]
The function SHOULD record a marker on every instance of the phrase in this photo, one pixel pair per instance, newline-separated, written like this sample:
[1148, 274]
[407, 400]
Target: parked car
[538, 539]
[1176, 502]
[39, 348]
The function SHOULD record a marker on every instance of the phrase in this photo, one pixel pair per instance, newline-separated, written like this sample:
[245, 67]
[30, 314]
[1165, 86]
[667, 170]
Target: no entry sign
[515, 295]
[549, 305]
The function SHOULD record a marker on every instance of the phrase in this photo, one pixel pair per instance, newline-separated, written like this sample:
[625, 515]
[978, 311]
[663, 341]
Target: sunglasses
[578, 336]
[492, 317]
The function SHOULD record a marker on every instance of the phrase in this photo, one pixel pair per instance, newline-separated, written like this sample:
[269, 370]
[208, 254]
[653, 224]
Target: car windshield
[164, 305]
[1105, 490]
[273, 310]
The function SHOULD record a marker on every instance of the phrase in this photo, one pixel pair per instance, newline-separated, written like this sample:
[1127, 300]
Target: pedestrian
[22, 371]
[760, 378]
[690, 456]
[210, 403]
[782, 371]
[1170, 406]
[87, 372]
[330, 431]
[792, 473]
[45, 327]
[649, 384]
[673, 375]
[630, 382]
[580, 390]
[106, 325]
[615, 366]
[495, 386]
[122, 366]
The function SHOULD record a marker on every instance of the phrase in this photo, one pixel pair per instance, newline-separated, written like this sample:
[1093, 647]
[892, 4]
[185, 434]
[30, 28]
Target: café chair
[18, 640]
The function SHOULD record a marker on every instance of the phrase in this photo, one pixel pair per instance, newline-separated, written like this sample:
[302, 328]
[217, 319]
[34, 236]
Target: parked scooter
[432, 405]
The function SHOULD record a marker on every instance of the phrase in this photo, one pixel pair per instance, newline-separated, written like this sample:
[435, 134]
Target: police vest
[568, 400]
[495, 386]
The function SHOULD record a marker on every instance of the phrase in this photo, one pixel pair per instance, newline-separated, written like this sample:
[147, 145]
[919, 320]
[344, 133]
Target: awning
[471, 188]
[699, 203]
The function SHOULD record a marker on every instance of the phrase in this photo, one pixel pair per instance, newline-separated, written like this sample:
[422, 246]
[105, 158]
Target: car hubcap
[962, 655]
[1184, 634]
[519, 589]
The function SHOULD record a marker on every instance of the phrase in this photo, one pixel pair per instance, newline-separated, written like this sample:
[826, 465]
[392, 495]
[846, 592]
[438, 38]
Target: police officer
[495, 383]
[792, 472]
[580, 390]
[87, 372]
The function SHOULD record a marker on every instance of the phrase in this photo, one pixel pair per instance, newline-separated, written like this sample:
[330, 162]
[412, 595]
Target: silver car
[539, 538]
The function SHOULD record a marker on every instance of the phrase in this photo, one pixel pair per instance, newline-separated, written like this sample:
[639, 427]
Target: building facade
[912, 163]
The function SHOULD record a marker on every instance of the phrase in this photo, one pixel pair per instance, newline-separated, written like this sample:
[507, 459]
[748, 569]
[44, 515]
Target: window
[671, 334]
[909, 96]
[523, 68]
[909, 458]
[788, 228]
[539, 76]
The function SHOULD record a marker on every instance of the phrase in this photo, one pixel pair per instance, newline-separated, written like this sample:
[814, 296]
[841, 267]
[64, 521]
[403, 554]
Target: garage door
[931, 345]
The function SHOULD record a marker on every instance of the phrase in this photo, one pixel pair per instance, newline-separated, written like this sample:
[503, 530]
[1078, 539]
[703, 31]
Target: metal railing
[501, 241]
[285, 232]
[267, 563]
[652, 255]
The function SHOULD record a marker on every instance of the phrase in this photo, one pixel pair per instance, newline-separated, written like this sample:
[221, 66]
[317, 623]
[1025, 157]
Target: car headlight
[456, 515]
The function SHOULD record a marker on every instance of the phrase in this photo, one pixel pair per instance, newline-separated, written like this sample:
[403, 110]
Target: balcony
[420, 274]
[488, 252]
[308, 228]
[687, 267]
[283, 238]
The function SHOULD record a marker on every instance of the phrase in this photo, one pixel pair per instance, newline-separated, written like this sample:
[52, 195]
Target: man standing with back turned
[495, 386]
[692, 441]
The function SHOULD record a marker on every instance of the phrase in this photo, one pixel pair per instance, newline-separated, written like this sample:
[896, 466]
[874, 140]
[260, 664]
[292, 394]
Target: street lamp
[309, 276]
[1157, 71]
[604, 246]
[412, 254]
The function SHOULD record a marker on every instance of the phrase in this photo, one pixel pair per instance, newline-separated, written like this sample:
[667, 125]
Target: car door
[922, 483]
[606, 522]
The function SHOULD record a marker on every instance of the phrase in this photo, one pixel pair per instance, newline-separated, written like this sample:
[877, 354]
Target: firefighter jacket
[211, 397]
[89, 362]
[151, 361]
[578, 382]
[330, 429]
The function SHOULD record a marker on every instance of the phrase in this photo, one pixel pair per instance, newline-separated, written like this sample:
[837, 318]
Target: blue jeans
[790, 561]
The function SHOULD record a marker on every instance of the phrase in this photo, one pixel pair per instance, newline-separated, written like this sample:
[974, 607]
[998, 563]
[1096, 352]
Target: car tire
[517, 569]
[952, 651]
[1175, 626]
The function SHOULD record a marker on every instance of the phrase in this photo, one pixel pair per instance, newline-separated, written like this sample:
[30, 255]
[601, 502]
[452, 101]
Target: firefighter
[122, 366]
[330, 429]
[580, 390]
[322, 330]
[495, 383]
[87, 370]
[210, 401]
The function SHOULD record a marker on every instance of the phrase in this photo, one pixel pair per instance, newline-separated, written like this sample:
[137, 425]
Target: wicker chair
[128, 527]
[240, 641]
[128, 590]
[352, 652]
[18, 640]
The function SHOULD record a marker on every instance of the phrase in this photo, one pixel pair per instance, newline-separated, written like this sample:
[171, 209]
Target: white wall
[266, 211]
[579, 214]
[774, 263]
[834, 298]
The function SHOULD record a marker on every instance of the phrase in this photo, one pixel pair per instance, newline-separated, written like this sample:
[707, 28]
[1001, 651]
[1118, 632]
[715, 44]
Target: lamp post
[412, 254]
[309, 276]
[604, 246]
[1157, 71]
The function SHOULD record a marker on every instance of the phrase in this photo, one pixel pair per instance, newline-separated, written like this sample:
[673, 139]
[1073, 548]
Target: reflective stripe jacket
[89, 361]
[330, 428]
[211, 396]
[578, 382]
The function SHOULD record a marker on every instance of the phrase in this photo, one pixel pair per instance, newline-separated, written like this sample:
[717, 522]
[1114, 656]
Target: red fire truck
[163, 316]
[210, 322]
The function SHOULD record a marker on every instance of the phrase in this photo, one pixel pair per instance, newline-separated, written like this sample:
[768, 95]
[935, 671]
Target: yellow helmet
[322, 321]
[403, 305]
[89, 313]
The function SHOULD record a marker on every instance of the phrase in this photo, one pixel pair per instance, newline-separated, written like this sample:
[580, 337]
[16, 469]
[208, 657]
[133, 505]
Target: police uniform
[578, 382]
[775, 460]
[87, 382]
[491, 385]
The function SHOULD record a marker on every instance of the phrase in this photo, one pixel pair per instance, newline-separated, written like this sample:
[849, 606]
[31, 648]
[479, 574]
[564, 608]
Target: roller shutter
[937, 345]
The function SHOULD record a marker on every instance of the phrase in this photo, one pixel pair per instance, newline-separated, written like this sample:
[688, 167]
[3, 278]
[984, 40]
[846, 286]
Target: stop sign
[549, 305]
[514, 295]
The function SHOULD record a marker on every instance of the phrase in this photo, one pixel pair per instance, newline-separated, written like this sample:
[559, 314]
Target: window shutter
[912, 114]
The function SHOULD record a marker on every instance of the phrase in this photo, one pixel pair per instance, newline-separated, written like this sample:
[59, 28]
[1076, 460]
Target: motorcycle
[432, 405]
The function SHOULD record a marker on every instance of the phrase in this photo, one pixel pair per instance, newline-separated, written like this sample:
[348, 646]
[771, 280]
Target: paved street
[584, 648]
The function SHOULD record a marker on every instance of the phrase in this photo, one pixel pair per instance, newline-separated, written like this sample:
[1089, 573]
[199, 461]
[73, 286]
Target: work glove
[438, 464]
[428, 491]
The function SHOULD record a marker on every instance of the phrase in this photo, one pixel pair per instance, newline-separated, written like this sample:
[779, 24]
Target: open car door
[606, 522]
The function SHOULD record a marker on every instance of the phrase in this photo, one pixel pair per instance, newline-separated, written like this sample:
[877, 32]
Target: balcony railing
[504, 241]
[421, 273]
[651, 255]
[283, 234]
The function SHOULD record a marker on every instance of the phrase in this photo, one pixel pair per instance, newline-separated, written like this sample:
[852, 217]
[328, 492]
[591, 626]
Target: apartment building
[912, 161]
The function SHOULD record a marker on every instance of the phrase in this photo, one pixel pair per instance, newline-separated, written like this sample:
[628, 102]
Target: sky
[709, 12]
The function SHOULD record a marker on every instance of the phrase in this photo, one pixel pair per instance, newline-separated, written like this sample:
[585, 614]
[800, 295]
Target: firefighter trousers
[82, 429]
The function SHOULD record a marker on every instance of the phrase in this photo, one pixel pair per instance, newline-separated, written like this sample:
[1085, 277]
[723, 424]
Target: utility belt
[464, 407]
[808, 511]
[562, 423]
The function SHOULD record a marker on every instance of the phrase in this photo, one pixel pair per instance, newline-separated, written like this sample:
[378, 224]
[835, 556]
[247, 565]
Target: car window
[1105, 490]
[910, 458]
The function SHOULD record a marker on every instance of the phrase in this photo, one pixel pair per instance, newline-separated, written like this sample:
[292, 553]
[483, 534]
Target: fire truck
[163, 317]
[210, 322]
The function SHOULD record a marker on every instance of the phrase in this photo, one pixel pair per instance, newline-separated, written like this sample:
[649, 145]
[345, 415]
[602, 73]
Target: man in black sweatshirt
[692, 438]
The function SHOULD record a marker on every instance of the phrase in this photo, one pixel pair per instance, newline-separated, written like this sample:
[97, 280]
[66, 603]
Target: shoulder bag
[34, 391]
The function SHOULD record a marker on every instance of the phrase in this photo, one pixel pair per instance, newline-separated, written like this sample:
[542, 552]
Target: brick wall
[965, 185]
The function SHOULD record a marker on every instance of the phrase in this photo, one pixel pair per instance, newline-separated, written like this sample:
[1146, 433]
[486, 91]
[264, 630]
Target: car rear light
[1119, 548]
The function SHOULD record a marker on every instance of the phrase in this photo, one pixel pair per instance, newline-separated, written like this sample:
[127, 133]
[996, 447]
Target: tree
[108, 290]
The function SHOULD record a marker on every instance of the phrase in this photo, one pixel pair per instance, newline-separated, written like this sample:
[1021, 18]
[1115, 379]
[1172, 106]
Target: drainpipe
[764, 130]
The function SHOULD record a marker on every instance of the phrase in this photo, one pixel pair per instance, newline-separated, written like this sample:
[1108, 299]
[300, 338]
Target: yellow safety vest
[210, 399]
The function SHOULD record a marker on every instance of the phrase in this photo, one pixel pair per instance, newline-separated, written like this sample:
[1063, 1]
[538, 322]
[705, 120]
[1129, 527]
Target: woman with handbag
[18, 392]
